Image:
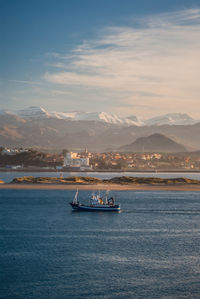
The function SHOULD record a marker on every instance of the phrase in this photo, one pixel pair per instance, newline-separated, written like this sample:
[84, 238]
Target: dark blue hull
[104, 208]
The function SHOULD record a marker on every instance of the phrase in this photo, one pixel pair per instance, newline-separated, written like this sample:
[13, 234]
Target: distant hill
[153, 143]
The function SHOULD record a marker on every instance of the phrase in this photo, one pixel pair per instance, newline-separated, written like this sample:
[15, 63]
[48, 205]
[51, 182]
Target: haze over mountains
[39, 112]
[153, 143]
[36, 127]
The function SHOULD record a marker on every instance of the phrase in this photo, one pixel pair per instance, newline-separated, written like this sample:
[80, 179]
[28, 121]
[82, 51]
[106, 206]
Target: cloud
[26, 82]
[156, 61]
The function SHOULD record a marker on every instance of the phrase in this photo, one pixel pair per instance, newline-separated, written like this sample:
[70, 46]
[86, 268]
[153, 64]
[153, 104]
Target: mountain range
[167, 119]
[38, 128]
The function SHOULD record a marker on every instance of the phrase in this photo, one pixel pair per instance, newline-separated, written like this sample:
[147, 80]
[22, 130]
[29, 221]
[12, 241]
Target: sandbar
[145, 187]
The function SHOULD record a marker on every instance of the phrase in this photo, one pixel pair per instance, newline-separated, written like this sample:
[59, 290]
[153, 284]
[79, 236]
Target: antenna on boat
[106, 196]
[99, 194]
[115, 196]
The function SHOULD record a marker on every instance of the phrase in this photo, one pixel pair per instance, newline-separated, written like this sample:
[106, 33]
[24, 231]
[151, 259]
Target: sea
[151, 249]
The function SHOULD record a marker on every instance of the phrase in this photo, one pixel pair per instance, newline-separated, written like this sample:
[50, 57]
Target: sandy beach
[182, 187]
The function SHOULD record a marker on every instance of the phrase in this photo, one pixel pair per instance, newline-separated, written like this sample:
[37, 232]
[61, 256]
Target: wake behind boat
[97, 203]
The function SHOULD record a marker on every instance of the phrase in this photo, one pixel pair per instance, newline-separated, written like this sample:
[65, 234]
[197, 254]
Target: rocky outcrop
[55, 180]
[124, 180]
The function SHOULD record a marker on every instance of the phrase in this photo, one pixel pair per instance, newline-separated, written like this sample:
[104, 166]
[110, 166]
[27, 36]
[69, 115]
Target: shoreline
[100, 171]
[139, 187]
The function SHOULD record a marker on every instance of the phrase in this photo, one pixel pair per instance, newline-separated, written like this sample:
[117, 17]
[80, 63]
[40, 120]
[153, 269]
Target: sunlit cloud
[155, 62]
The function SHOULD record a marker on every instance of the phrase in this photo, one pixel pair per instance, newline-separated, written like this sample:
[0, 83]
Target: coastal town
[19, 159]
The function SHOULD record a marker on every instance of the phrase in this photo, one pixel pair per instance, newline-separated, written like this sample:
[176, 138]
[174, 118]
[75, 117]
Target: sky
[130, 57]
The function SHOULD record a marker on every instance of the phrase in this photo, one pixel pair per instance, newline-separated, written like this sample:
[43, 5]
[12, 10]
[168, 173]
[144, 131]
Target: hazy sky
[129, 57]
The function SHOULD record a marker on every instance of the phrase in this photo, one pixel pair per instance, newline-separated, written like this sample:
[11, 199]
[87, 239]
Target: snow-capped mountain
[33, 112]
[97, 116]
[171, 119]
[135, 119]
[100, 116]
[39, 112]
[105, 117]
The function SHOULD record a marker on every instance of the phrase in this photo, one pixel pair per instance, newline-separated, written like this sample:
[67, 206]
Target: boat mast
[75, 200]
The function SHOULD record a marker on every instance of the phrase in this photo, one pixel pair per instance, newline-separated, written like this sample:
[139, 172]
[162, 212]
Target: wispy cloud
[26, 82]
[156, 61]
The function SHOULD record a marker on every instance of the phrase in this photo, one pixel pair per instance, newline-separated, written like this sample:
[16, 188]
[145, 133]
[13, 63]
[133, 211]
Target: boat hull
[78, 207]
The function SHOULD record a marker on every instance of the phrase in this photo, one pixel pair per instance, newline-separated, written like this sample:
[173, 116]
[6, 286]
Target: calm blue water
[9, 176]
[149, 250]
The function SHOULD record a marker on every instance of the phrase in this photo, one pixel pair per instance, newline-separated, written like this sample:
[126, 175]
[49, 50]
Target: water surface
[149, 250]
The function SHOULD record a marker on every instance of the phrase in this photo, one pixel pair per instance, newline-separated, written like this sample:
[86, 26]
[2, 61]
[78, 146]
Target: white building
[72, 160]
[12, 152]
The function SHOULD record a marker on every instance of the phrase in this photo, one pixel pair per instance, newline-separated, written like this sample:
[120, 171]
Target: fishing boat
[97, 203]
